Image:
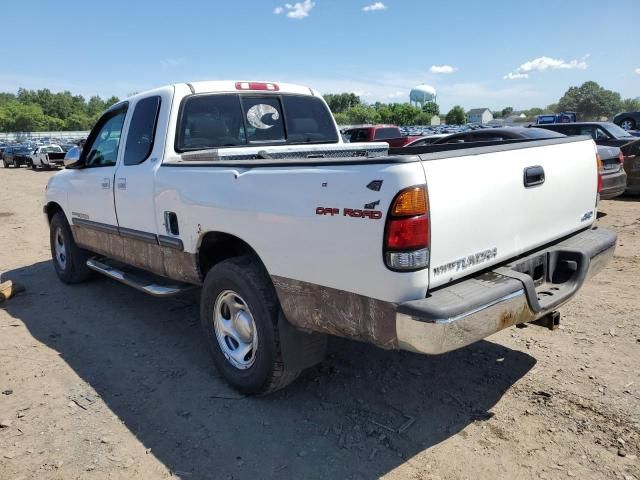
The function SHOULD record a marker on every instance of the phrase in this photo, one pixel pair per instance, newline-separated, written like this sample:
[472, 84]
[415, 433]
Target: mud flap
[300, 349]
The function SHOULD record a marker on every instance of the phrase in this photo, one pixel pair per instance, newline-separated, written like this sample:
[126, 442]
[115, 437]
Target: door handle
[106, 183]
[122, 183]
[533, 176]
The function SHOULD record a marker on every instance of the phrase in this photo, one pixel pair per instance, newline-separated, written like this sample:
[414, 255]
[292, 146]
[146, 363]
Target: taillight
[599, 166]
[621, 159]
[406, 243]
[257, 86]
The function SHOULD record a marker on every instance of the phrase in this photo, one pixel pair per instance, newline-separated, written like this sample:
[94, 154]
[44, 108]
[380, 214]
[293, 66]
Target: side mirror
[72, 158]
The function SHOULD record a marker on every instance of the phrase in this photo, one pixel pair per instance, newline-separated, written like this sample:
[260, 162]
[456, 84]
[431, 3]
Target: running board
[139, 283]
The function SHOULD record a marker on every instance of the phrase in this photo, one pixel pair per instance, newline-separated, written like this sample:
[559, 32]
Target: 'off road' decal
[350, 212]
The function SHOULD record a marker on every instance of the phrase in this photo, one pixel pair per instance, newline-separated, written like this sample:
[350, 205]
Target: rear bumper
[613, 184]
[473, 309]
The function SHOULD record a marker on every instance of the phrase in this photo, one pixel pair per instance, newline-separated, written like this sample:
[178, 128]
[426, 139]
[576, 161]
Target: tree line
[590, 101]
[43, 110]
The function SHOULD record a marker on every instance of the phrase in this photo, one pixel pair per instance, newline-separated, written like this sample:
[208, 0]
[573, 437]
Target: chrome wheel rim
[60, 249]
[626, 125]
[235, 330]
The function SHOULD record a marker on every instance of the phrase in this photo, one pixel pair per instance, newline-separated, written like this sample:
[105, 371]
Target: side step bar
[139, 283]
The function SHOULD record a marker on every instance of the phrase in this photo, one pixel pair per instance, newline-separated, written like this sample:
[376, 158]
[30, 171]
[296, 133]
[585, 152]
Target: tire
[69, 260]
[628, 124]
[32, 165]
[242, 281]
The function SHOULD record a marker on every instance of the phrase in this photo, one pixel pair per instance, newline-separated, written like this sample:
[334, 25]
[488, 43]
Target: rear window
[230, 120]
[385, 133]
[542, 133]
[52, 149]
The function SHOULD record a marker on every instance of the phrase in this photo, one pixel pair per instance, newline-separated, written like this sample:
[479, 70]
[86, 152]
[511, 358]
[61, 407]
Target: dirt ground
[98, 381]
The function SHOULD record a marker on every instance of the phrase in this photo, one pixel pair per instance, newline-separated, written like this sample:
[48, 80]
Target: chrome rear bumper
[466, 312]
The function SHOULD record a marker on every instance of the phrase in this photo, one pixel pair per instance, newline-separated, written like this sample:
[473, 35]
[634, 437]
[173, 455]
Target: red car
[378, 133]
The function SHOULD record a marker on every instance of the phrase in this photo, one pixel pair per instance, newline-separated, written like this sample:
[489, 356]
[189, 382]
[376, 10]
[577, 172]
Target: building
[479, 115]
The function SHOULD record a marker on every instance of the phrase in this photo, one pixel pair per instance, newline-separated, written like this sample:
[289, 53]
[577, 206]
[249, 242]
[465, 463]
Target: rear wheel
[628, 124]
[239, 316]
[69, 260]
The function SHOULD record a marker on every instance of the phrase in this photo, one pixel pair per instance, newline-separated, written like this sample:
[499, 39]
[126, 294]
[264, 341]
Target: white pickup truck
[247, 190]
[46, 157]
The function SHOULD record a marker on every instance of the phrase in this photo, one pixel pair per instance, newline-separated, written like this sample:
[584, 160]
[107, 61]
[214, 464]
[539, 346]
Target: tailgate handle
[533, 176]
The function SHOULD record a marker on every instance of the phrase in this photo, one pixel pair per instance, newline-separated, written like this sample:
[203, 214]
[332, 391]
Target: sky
[475, 53]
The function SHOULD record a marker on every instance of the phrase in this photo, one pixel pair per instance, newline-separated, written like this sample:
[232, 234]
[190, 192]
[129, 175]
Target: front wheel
[239, 316]
[69, 260]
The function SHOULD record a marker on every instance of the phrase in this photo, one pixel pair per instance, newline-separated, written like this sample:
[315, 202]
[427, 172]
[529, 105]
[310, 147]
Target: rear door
[135, 176]
[482, 212]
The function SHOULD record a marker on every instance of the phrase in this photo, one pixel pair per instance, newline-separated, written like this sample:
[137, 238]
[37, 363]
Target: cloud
[168, 63]
[375, 6]
[515, 76]
[542, 64]
[637, 71]
[298, 10]
[446, 69]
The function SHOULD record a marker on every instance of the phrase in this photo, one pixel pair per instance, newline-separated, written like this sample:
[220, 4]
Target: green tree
[77, 121]
[95, 105]
[456, 116]
[630, 105]
[404, 114]
[590, 101]
[111, 101]
[506, 111]
[423, 118]
[552, 108]
[432, 108]
[341, 102]
[341, 118]
[362, 114]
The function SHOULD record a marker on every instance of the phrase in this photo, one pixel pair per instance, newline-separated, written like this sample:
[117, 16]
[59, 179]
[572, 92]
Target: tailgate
[482, 213]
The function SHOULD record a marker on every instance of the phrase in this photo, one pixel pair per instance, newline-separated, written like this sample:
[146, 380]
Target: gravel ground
[100, 381]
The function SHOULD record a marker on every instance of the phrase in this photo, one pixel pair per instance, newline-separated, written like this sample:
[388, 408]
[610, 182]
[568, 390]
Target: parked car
[218, 185]
[15, 155]
[496, 135]
[46, 157]
[628, 120]
[379, 133]
[562, 117]
[614, 178]
[611, 135]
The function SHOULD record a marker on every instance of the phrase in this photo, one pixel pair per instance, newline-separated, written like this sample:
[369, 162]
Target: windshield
[230, 120]
[616, 131]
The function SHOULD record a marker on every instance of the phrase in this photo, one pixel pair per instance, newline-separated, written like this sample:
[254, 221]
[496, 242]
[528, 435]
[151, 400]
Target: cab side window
[104, 141]
[142, 131]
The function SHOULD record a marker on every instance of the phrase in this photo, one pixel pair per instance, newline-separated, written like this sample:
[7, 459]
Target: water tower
[422, 94]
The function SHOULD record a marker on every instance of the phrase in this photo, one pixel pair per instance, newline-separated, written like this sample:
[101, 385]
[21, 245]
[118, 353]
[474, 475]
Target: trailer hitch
[550, 320]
